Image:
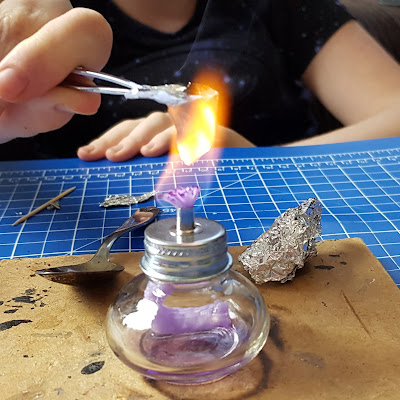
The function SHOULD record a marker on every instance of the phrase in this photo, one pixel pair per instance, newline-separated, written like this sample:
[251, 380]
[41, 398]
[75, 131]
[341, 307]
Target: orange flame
[197, 125]
[196, 122]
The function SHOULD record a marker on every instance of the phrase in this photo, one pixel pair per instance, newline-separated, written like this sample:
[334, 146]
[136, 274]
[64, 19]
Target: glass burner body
[188, 318]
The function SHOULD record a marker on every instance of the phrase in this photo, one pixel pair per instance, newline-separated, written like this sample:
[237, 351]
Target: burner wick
[184, 220]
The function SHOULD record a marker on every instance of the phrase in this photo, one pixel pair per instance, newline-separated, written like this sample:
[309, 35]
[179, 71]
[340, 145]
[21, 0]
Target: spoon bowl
[99, 267]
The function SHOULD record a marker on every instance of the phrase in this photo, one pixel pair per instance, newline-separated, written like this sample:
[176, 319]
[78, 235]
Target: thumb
[43, 60]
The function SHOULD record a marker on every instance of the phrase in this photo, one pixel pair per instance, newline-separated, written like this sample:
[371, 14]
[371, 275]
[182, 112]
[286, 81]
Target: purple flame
[181, 197]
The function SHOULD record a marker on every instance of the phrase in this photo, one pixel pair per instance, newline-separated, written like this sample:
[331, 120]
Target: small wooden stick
[36, 210]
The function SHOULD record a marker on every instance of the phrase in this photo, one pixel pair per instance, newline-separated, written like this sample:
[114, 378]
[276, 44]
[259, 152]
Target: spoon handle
[141, 217]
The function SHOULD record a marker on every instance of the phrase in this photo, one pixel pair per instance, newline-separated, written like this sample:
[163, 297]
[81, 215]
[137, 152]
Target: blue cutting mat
[244, 189]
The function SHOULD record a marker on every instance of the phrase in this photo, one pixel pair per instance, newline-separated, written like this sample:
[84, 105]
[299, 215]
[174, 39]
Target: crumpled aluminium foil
[125, 199]
[284, 248]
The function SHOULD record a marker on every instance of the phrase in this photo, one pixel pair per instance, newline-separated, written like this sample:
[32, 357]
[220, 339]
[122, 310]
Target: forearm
[226, 137]
[384, 124]
[359, 83]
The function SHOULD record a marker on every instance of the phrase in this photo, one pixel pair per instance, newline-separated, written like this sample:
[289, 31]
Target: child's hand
[151, 137]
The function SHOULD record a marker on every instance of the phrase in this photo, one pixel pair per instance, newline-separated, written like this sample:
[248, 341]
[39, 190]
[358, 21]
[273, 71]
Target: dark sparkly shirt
[261, 47]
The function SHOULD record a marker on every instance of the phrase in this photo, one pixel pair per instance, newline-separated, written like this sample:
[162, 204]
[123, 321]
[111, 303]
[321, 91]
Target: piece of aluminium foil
[280, 251]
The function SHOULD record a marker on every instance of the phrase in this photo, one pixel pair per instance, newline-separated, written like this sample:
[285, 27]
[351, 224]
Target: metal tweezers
[169, 94]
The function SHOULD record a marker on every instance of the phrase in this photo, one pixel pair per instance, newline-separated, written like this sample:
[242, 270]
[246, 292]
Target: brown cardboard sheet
[335, 334]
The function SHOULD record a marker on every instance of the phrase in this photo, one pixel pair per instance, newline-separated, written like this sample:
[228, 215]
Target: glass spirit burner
[188, 318]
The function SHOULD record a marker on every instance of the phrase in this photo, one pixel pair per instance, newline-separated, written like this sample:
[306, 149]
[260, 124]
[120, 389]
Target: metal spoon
[99, 267]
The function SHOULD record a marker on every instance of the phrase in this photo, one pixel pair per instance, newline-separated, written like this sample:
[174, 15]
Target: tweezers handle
[129, 87]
